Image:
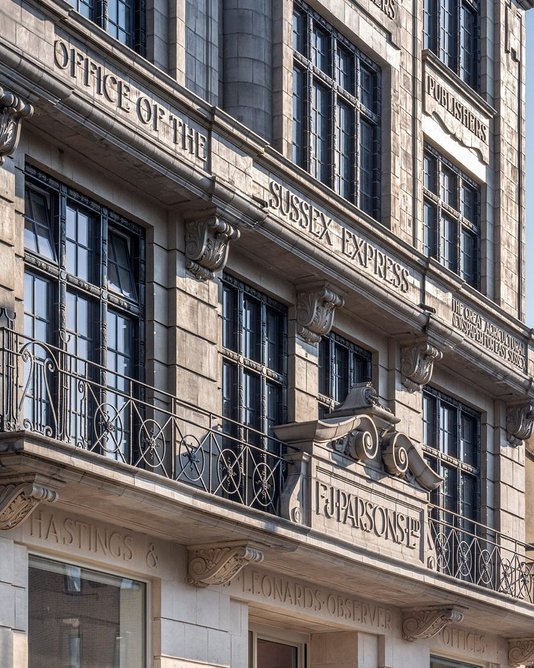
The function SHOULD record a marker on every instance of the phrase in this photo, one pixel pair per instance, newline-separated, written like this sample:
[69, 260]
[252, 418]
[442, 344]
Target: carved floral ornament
[19, 497]
[316, 304]
[428, 622]
[519, 422]
[417, 364]
[218, 564]
[206, 245]
[12, 110]
[521, 652]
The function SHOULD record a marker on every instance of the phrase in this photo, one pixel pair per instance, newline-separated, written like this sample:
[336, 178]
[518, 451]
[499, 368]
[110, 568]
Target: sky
[530, 169]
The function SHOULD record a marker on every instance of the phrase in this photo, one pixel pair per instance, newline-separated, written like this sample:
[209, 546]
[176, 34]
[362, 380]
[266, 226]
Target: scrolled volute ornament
[417, 364]
[428, 622]
[520, 651]
[363, 441]
[12, 110]
[315, 311]
[519, 422]
[395, 447]
[219, 564]
[206, 245]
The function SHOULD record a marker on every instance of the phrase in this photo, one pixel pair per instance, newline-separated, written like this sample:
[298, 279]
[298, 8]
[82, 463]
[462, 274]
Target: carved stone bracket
[19, 498]
[12, 110]
[293, 501]
[316, 305]
[521, 651]
[218, 564]
[417, 364]
[428, 622]
[519, 422]
[206, 245]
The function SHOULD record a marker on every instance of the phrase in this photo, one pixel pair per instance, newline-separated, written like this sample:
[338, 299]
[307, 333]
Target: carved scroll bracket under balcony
[293, 500]
[521, 652]
[218, 564]
[206, 245]
[428, 622]
[417, 364]
[20, 496]
[12, 110]
[316, 305]
[519, 422]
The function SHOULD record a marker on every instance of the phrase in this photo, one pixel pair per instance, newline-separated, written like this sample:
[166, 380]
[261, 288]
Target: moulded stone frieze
[20, 497]
[519, 422]
[206, 245]
[417, 364]
[12, 110]
[428, 622]
[316, 305]
[521, 652]
[218, 564]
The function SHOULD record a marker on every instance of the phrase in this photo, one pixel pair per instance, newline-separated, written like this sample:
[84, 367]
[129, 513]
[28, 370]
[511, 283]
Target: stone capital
[218, 564]
[316, 304]
[20, 496]
[521, 651]
[206, 245]
[12, 110]
[428, 622]
[519, 422]
[417, 364]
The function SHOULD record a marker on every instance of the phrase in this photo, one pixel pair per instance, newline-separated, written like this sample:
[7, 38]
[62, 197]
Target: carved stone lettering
[335, 237]
[170, 127]
[464, 640]
[493, 338]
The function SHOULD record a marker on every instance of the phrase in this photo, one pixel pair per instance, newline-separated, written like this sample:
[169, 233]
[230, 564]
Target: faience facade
[266, 388]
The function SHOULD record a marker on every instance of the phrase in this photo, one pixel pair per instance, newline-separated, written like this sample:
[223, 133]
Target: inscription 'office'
[344, 242]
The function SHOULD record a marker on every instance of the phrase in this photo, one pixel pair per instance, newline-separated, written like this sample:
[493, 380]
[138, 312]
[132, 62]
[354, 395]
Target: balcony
[51, 395]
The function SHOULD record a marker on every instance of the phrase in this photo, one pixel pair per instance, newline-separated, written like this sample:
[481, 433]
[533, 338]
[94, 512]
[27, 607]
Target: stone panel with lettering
[457, 114]
[467, 642]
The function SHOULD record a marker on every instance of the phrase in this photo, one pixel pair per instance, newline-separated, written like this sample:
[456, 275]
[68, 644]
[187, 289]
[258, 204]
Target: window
[451, 440]
[271, 648]
[451, 217]
[80, 617]
[452, 32]
[342, 364]
[254, 361]
[336, 111]
[83, 303]
[123, 19]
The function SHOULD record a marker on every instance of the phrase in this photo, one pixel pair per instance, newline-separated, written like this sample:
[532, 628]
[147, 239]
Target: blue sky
[530, 168]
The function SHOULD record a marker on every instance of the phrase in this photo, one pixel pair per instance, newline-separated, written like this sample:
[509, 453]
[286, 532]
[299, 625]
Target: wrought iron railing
[48, 391]
[474, 553]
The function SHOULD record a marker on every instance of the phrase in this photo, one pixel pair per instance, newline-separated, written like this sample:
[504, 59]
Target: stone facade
[276, 424]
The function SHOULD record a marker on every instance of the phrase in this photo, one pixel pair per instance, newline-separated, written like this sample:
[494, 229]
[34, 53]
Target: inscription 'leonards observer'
[356, 512]
[170, 128]
[340, 240]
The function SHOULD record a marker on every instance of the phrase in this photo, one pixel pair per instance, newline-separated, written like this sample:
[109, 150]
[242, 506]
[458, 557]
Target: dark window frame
[339, 143]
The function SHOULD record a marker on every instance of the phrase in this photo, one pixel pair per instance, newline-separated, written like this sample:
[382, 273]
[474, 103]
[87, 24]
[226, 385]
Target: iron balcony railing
[474, 553]
[48, 391]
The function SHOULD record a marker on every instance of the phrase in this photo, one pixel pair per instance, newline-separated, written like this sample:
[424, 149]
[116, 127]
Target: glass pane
[81, 260]
[38, 224]
[468, 45]
[367, 168]
[321, 49]
[344, 151]
[271, 654]
[320, 163]
[469, 442]
[448, 430]
[299, 121]
[299, 32]
[120, 265]
[79, 618]
[229, 306]
[449, 187]
[469, 258]
[251, 328]
[340, 365]
[448, 33]
[430, 172]
[275, 340]
[429, 420]
[345, 69]
[430, 225]
[368, 88]
[448, 243]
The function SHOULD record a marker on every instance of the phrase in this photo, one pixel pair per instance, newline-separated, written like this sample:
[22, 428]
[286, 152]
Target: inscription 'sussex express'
[497, 341]
[356, 512]
[310, 220]
[168, 126]
[456, 108]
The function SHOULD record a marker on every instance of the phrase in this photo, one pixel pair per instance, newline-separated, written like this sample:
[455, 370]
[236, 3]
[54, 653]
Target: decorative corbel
[417, 364]
[316, 304]
[521, 651]
[206, 245]
[19, 497]
[12, 110]
[519, 422]
[428, 622]
[293, 499]
[218, 564]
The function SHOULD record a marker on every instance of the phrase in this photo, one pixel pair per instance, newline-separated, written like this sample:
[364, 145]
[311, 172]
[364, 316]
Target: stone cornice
[218, 564]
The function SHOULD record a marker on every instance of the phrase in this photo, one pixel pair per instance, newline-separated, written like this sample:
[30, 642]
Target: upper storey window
[452, 33]
[123, 19]
[336, 111]
[451, 217]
